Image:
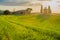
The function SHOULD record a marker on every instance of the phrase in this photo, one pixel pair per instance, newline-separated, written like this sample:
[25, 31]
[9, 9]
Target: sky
[23, 4]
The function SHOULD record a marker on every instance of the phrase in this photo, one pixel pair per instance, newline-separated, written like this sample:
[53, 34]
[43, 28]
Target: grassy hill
[29, 27]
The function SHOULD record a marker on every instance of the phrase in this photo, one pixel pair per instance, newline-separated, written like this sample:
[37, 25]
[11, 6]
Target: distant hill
[1, 12]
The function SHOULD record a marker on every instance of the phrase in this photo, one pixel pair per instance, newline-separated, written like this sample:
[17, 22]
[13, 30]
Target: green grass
[29, 27]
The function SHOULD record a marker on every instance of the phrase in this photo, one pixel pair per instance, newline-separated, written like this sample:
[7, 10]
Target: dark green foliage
[6, 12]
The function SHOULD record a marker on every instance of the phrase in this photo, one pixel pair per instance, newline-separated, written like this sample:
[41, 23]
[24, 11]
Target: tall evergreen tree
[45, 10]
[41, 9]
[49, 9]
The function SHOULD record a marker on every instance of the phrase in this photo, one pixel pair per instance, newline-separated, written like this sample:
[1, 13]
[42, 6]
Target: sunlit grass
[29, 27]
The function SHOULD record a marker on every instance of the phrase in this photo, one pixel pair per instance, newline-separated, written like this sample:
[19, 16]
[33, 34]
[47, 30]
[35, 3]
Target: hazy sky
[17, 2]
[20, 4]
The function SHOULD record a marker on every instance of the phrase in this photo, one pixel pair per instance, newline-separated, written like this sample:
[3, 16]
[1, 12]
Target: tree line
[44, 11]
[26, 11]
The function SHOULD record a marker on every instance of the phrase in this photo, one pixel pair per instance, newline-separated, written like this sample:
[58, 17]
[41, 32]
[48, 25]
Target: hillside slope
[29, 27]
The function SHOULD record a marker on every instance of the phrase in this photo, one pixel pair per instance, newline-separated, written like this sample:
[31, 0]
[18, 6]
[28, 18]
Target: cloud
[48, 0]
[13, 2]
[18, 2]
[44, 0]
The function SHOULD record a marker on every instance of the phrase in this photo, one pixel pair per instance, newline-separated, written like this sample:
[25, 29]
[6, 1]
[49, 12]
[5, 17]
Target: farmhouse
[27, 11]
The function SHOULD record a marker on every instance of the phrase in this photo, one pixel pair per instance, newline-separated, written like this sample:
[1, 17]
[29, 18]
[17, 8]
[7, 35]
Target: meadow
[29, 27]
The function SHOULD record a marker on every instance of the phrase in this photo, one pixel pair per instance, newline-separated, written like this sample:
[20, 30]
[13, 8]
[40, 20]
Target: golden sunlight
[52, 4]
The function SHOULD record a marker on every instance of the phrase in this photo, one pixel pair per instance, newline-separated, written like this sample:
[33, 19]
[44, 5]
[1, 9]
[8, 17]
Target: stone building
[27, 11]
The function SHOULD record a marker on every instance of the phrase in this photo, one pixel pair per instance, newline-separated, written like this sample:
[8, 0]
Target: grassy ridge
[29, 27]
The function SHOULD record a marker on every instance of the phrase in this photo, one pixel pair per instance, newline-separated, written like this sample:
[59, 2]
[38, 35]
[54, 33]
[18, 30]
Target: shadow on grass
[43, 17]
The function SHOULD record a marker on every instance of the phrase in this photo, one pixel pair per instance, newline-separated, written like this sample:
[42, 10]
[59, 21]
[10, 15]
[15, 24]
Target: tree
[45, 10]
[29, 10]
[1, 12]
[6, 12]
[49, 10]
[41, 9]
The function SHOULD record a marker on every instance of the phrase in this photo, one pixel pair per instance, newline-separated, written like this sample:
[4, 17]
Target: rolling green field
[29, 27]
